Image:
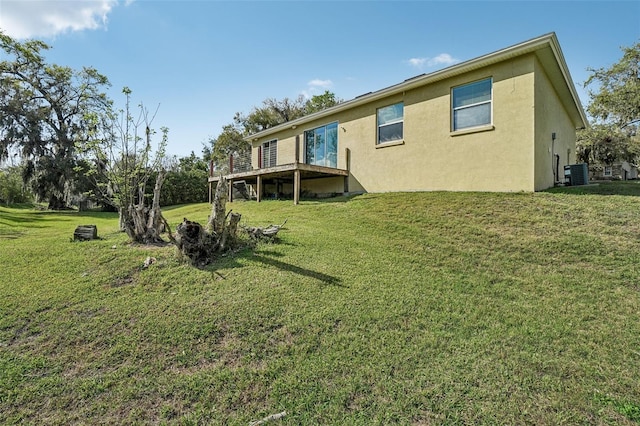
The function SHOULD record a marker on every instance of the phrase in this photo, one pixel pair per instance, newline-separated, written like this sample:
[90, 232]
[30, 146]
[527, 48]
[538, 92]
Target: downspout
[556, 157]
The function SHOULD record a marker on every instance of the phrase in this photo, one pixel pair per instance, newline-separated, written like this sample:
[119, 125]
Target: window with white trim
[608, 171]
[269, 153]
[390, 123]
[471, 105]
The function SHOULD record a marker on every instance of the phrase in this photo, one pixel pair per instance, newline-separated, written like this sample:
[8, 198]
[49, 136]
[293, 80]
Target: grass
[421, 308]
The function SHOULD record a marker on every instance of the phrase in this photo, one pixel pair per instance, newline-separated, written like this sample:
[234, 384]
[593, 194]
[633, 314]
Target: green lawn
[421, 308]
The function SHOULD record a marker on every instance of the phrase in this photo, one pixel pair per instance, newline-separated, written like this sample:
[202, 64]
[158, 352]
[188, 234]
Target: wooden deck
[294, 171]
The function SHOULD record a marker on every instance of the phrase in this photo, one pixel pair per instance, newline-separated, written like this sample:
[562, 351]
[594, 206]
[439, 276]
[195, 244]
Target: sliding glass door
[321, 145]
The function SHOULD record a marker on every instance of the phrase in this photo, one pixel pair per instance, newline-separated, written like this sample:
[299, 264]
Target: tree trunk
[141, 223]
[200, 245]
[85, 232]
[218, 209]
[56, 203]
[230, 230]
[154, 223]
[122, 221]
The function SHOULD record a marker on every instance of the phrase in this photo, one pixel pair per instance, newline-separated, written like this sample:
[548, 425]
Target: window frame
[394, 122]
[610, 171]
[454, 109]
[269, 151]
[326, 162]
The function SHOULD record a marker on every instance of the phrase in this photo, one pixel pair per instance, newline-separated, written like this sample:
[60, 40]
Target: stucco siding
[432, 157]
[551, 117]
[513, 153]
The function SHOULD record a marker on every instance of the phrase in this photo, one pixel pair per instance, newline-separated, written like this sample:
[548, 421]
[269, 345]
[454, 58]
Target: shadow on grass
[31, 219]
[627, 188]
[39, 218]
[326, 279]
[268, 258]
[329, 200]
[10, 234]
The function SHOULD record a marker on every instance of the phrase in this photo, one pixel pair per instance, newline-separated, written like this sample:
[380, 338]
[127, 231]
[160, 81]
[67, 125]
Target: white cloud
[315, 87]
[323, 84]
[45, 18]
[442, 59]
[418, 62]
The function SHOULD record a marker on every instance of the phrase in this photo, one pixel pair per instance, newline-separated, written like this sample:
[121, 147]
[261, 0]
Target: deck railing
[236, 163]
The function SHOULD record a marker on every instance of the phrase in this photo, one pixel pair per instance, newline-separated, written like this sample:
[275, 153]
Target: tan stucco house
[503, 122]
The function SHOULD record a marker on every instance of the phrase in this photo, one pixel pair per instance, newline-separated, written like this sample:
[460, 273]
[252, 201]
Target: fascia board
[564, 69]
[454, 70]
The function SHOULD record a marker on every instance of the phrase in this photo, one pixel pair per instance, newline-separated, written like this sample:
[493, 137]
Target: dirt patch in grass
[129, 279]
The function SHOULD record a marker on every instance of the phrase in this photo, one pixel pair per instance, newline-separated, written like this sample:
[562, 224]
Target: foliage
[229, 143]
[43, 110]
[191, 163]
[124, 163]
[318, 103]
[12, 189]
[606, 144]
[615, 107]
[184, 187]
[419, 308]
[183, 183]
[617, 97]
[273, 112]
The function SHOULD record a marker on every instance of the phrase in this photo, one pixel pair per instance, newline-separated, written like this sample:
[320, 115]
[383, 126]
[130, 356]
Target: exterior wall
[323, 187]
[551, 117]
[432, 157]
[285, 148]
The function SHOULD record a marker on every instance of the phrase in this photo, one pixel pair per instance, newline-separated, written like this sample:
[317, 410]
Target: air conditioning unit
[576, 174]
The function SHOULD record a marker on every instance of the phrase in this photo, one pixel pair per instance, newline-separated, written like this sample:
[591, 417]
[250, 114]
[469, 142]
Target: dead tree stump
[201, 246]
[85, 233]
[194, 242]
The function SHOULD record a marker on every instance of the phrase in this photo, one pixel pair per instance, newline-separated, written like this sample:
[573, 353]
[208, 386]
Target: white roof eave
[547, 40]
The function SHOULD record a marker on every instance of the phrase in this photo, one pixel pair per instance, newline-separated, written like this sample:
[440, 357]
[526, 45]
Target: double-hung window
[391, 123]
[472, 105]
[608, 171]
[269, 153]
[321, 145]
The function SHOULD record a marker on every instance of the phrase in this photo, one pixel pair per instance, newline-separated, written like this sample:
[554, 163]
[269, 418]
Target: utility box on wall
[576, 174]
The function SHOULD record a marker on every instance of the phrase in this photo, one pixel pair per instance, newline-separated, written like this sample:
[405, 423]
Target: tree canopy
[120, 145]
[615, 110]
[616, 99]
[271, 113]
[43, 110]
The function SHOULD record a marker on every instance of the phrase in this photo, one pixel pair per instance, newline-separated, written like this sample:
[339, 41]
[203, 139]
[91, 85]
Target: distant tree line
[74, 146]
[63, 130]
[271, 113]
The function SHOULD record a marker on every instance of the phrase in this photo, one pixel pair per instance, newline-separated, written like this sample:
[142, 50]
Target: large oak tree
[615, 111]
[43, 110]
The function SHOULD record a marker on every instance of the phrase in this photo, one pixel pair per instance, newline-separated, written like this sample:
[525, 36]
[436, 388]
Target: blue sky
[203, 61]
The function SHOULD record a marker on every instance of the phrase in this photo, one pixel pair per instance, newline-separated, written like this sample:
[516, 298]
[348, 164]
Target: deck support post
[296, 187]
[258, 188]
[230, 197]
[347, 157]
